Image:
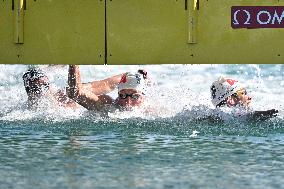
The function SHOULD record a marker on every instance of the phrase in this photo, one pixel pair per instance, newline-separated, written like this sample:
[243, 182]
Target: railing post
[19, 22]
[193, 20]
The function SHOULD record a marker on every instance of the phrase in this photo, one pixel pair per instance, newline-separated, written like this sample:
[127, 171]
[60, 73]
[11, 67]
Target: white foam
[176, 87]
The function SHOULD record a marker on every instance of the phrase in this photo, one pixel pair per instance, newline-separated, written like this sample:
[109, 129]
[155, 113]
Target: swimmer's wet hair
[32, 75]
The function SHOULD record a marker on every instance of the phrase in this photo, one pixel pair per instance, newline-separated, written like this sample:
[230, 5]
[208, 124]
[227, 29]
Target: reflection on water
[58, 148]
[105, 154]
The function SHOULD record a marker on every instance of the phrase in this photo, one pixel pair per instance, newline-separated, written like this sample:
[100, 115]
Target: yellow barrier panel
[135, 32]
[148, 32]
[9, 51]
[55, 32]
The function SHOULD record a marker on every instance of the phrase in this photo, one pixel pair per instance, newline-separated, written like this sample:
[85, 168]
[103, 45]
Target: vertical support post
[19, 22]
[192, 21]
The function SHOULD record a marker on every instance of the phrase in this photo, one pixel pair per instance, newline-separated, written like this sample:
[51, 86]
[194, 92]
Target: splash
[178, 90]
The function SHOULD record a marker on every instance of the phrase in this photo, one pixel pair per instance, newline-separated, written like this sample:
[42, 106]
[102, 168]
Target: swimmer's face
[129, 98]
[38, 87]
[239, 98]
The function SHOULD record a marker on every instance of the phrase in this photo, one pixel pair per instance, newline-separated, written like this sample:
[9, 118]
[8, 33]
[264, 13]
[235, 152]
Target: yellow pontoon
[140, 31]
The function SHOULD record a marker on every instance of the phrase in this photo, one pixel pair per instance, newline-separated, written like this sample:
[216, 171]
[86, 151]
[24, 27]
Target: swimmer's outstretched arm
[82, 95]
[103, 86]
[262, 115]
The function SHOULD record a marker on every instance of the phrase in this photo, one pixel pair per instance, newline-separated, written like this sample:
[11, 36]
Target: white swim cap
[223, 88]
[133, 81]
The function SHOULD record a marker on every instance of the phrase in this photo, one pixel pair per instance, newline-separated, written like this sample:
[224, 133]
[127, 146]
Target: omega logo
[258, 17]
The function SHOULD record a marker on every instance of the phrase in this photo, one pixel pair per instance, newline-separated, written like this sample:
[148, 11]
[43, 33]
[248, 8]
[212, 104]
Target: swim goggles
[133, 96]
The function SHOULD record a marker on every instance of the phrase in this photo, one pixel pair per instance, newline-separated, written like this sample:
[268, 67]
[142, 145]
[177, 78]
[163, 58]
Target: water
[57, 148]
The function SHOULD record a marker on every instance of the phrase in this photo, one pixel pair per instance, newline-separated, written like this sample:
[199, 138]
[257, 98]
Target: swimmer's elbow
[74, 92]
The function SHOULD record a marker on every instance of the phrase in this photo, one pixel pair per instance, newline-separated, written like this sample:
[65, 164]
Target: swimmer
[131, 91]
[38, 87]
[229, 93]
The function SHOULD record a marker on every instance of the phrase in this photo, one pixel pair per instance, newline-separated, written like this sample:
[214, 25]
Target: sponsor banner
[252, 17]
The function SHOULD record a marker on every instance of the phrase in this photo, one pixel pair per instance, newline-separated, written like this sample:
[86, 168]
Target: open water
[168, 148]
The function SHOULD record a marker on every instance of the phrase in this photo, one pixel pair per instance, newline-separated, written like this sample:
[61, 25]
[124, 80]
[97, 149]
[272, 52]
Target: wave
[190, 122]
[180, 93]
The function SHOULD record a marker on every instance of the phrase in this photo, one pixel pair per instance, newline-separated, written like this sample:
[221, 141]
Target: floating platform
[141, 31]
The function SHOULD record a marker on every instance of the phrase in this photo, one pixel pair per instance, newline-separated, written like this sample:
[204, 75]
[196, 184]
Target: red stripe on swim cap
[231, 81]
[123, 79]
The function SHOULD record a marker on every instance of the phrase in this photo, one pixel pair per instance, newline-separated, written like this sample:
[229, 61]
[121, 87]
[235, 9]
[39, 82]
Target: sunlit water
[168, 148]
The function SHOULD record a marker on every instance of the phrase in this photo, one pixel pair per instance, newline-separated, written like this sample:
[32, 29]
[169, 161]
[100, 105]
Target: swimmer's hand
[262, 115]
